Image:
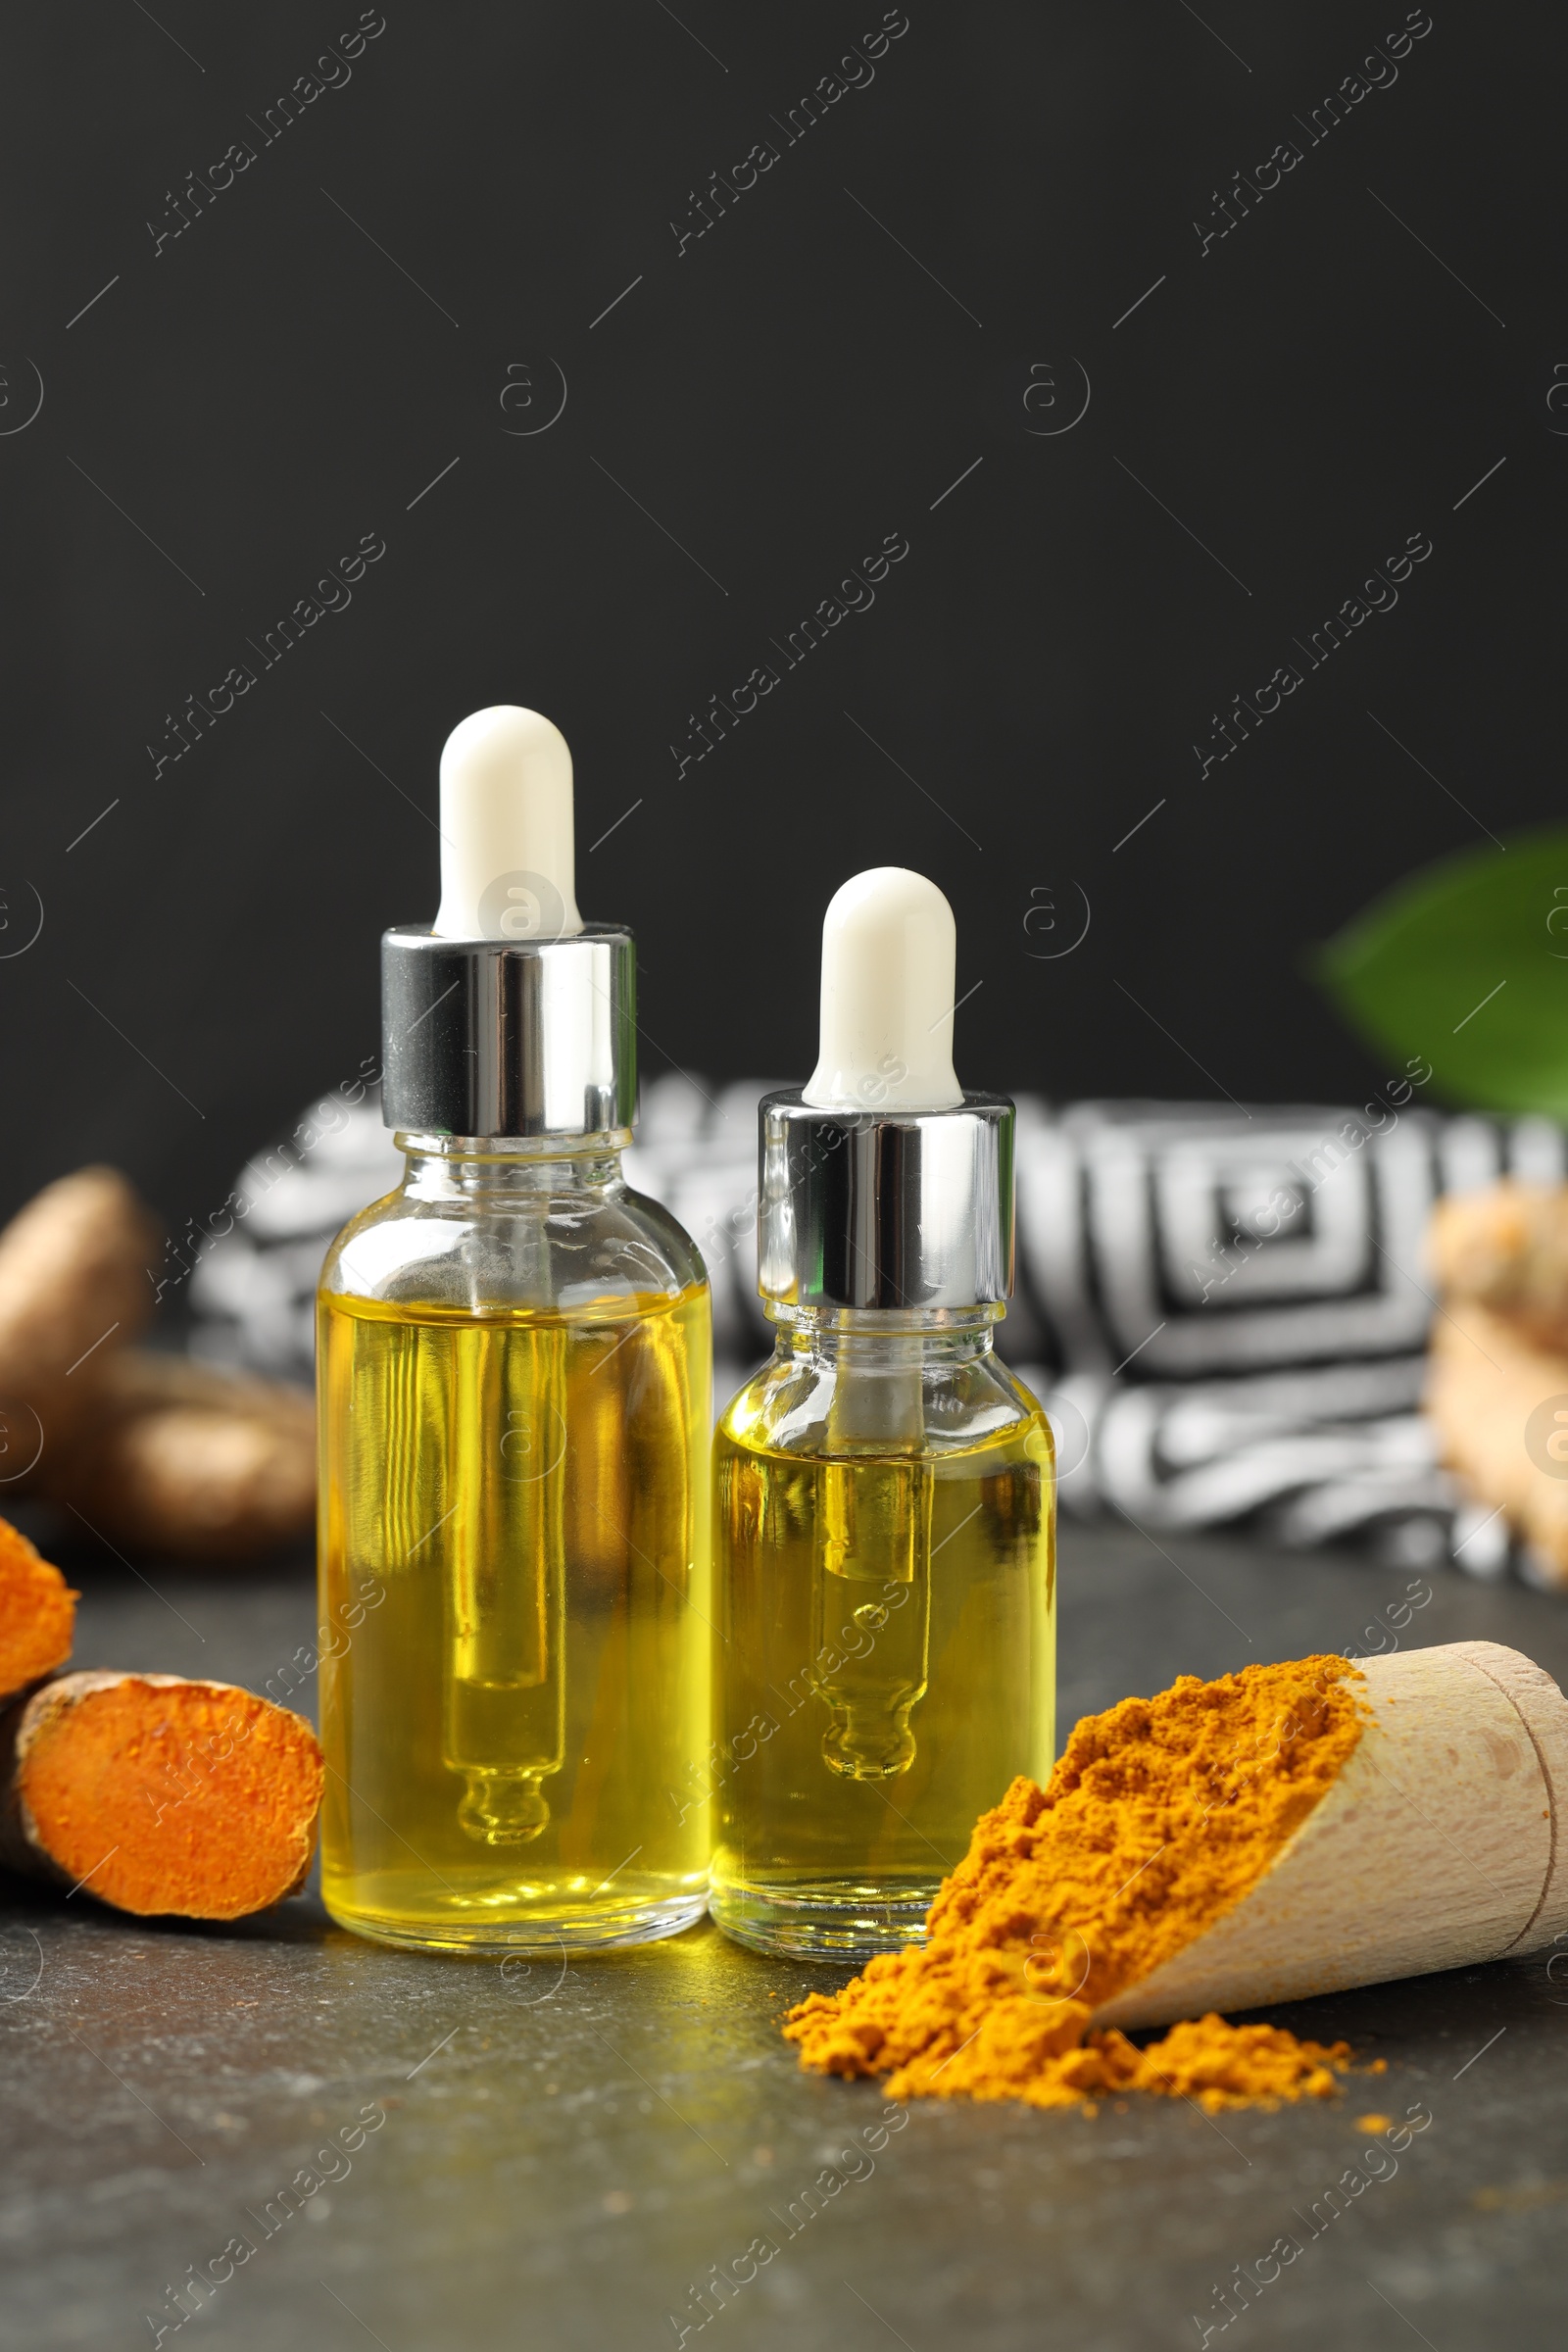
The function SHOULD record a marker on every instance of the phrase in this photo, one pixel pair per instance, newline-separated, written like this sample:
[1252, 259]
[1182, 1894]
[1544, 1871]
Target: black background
[790, 388]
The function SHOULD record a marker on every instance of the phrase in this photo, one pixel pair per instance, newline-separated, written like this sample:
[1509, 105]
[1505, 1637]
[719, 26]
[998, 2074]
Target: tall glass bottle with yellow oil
[884, 1488]
[513, 1373]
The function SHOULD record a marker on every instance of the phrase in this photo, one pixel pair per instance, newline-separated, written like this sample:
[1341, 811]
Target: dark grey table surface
[565, 2157]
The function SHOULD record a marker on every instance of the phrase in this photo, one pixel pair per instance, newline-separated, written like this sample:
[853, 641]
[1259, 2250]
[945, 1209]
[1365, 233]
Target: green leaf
[1466, 964]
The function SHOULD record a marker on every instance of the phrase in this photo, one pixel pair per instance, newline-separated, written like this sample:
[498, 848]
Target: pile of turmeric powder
[1159, 1817]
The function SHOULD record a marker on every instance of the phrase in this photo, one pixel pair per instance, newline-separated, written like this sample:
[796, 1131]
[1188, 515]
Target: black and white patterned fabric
[1224, 1309]
[1234, 1307]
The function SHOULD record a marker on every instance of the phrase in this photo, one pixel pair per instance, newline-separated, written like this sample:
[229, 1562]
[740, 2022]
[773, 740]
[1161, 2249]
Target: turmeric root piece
[73, 1288]
[156, 1453]
[1507, 1249]
[37, 1614]
[162, 1796]
[1484, 1382]
[192, 1463]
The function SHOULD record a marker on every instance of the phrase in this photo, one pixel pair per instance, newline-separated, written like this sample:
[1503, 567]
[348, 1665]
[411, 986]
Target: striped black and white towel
[1224, 1309]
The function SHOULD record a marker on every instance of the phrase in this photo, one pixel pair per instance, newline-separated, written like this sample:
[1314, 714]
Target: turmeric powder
[1161, 1815]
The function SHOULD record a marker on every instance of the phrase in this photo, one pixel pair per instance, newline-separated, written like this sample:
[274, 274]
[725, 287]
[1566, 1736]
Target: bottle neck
[884, 1339]
[454, 1167]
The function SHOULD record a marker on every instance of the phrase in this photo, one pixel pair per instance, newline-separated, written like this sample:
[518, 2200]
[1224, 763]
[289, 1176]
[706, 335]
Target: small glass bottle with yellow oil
[513, 1373]
[884, 1488]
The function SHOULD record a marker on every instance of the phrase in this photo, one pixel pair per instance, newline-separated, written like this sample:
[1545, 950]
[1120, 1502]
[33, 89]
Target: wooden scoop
[1442, 1842]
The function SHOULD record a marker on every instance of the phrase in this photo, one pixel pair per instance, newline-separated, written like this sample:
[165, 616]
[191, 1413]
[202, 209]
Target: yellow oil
[885, 1665]
[515, 1583]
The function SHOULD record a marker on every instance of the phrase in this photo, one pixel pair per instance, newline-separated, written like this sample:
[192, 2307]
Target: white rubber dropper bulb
[889, 955]
[507, 846]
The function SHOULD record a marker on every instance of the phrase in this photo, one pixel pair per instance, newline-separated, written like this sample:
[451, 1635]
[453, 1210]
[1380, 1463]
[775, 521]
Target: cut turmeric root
[162, 1796]
[37, 1614]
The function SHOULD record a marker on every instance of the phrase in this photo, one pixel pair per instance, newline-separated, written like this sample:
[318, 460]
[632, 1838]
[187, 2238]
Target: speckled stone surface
[562, 2157]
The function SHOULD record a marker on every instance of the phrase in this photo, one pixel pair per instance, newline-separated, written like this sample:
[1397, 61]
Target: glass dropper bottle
[515, 1380]
[884, 1488]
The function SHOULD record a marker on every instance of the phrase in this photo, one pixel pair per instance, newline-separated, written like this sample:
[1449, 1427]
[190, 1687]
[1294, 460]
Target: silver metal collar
[885, 1209]
[498, 1037]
